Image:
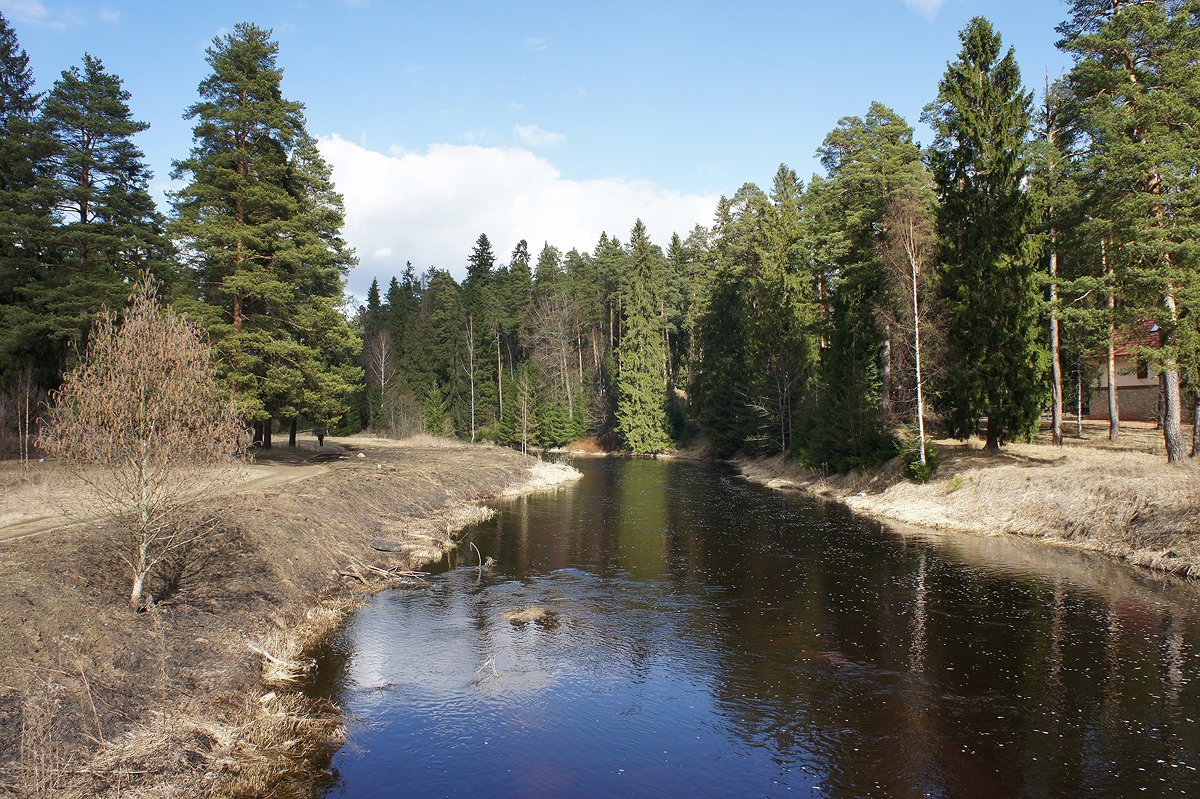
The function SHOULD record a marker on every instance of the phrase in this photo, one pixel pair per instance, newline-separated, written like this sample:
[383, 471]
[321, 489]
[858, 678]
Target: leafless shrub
[42, 762]
[142, 420]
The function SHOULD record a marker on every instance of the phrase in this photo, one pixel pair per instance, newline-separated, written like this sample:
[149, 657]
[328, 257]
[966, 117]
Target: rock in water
[531, 613]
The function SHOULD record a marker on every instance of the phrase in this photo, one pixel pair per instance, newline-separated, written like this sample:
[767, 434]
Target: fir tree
[641, 402]
[995, 360]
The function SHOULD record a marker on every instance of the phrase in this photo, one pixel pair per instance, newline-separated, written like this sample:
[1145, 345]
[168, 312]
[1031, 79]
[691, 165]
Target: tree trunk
[915, 277]
[499, 379]
[1196, 423]
[1172, 408]
[267, 426]
[1172, 405]
[1056, 388]
[1114, 412]
[135, 594]
[140, 569]
[885, 366]
[1078, 401]
[993, 427]
[292, 433]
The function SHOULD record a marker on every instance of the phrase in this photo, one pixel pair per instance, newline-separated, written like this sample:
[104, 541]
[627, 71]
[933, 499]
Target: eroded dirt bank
[1121, 501]
[98, 701]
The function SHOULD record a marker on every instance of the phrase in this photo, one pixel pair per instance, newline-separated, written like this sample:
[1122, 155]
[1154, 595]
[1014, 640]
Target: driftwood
[400, 577]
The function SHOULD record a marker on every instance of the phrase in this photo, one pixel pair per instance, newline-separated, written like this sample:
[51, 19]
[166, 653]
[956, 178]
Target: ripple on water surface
[709, 638]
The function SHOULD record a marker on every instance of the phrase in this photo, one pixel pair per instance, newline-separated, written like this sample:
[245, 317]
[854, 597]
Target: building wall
[1134, 403]
[1126, 375]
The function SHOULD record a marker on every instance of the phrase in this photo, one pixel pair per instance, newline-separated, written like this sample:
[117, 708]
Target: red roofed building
[1137, 386]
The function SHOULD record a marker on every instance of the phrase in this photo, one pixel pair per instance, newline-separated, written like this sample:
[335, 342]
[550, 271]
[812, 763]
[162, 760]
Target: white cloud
[536, 43]
[110, 15]
[429, 207]
[926, 8]
[24, 10]
[533, 136]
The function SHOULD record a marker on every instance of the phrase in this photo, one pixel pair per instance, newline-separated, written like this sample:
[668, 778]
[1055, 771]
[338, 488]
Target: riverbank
[191, 699]
[1125, 501]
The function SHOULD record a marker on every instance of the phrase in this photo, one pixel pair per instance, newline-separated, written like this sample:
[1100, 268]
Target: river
[709, 637]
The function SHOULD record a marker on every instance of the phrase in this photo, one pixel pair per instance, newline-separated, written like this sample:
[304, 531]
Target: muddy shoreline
[1128, 505]
[195, 698]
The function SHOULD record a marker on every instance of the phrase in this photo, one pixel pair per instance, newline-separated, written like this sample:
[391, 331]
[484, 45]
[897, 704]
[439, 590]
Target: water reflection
[711, 638]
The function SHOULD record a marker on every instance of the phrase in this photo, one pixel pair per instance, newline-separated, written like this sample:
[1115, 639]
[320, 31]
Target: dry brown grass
[98, 701]
[1125, 500]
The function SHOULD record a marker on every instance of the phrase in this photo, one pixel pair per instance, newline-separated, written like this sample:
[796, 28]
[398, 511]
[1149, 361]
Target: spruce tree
[723, 335]
[481, 305]
[995, 359]
[641, 383]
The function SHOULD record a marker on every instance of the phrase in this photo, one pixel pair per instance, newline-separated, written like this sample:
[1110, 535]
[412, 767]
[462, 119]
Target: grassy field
[190, 698]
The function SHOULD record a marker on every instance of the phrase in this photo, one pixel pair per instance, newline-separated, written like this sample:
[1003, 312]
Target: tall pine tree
[261, 224]
[94, 181]
[1138, 77]
[24, 219]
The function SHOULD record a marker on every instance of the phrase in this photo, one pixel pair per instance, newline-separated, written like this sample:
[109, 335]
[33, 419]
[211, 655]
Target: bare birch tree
[143, 421]
[381, 371]
[553, 331]
[906, 250]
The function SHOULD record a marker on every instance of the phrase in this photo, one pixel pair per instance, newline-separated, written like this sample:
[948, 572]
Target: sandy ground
[98, 701]
[1124, 499]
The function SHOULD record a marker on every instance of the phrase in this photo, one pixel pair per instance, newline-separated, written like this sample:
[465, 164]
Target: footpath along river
[709, 637]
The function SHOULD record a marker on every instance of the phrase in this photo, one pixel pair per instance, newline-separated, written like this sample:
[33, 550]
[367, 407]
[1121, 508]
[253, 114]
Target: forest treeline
[981, 281]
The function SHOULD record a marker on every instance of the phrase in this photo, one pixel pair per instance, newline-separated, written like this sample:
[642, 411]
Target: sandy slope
[1128, 503]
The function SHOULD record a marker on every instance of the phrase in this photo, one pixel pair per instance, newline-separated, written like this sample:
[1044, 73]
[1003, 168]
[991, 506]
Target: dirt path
[256, 477]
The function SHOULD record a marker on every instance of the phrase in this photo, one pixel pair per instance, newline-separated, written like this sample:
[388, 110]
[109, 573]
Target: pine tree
[641, 402]
[262, 223]
[445, 339]
[94, 181]
[995, 359]
[1138, 78]
[24, 219]
[868, 159]
[549, 279]
[1054, 189]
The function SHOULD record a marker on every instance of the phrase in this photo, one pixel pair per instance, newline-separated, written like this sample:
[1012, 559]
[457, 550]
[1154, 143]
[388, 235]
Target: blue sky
[548, 121]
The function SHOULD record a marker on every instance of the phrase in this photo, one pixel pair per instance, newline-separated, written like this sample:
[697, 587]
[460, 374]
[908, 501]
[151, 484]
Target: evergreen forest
[971, 286]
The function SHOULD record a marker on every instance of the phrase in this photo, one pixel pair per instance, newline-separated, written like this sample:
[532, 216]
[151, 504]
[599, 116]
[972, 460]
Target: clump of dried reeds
[283, 648]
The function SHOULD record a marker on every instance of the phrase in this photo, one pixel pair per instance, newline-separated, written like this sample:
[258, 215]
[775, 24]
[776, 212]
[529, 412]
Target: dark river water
[708, 637]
